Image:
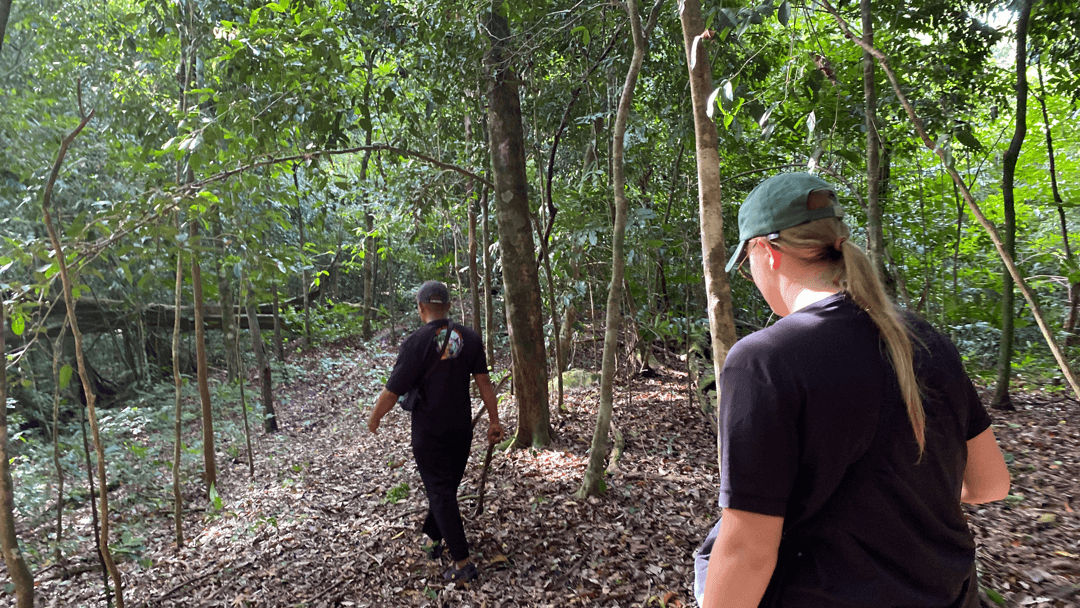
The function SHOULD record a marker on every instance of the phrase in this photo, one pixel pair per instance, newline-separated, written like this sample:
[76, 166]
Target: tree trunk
[1074, 288]
[566, 336]
[371, 257]
[520, 276]
[140, 325]
[185, 175]
[178, 412]
[593, 482]
[370, 254]
[269, 417]
[474, 274]
[16, 565]
[956, 243]
[713, 252]
[489, 296]
[545, 234]
[225, 295]
[875, 233]
[279, 343]
[5, 12]
[94, 522]
[1001, 399]
[244, 406]
[58, 351]
[84, 375]
[459, 287]
[202, 366]
[556, 345]
[973, 206]
[303, 260]
[637, 345]
[663, 298]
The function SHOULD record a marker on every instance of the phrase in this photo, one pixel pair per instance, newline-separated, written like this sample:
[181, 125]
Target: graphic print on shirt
[453, 349]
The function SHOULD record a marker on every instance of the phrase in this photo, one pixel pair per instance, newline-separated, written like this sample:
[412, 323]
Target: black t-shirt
[445, 404]
[813, 429]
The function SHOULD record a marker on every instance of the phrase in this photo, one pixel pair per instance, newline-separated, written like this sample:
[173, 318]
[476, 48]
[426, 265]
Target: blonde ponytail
[855, 275]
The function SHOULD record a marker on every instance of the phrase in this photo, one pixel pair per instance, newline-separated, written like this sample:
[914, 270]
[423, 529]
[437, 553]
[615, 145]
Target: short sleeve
[759, 442]
[972, 408]
[407, 367]
[977, 416]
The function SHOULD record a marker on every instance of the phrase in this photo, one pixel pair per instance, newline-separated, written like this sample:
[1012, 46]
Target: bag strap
[442, 352]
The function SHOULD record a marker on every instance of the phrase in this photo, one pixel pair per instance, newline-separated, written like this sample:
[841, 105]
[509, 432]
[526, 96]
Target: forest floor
[327, 521]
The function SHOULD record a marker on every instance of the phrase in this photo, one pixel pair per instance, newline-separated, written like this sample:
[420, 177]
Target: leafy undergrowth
[331, 517]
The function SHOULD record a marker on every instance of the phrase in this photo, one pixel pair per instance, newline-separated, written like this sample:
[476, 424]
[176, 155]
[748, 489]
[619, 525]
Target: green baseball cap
[780, 202]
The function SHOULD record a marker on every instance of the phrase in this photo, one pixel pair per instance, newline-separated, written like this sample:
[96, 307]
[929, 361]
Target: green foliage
[994, 596]
[397, 493]
[215, 500]
[299, 78]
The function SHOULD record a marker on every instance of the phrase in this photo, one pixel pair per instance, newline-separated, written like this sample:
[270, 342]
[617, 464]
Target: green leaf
[210, 196]
[966, 137]
[784, 13]
[215, 499]
[583, 31]
[994, 596]
[18, 324]
[65, 376]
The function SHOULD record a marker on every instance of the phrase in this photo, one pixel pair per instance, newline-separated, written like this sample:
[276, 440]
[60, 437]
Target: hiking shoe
[434, 550]
[464, 574]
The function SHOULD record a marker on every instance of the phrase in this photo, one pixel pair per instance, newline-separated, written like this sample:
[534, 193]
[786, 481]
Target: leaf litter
[332, 516]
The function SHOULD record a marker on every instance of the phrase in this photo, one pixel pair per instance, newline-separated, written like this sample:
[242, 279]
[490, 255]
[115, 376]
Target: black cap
[433, 292]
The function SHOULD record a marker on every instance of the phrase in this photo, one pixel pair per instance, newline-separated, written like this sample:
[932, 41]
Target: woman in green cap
[849, 431]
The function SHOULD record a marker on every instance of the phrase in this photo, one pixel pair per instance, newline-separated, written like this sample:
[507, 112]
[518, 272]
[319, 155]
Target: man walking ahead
[438, 365]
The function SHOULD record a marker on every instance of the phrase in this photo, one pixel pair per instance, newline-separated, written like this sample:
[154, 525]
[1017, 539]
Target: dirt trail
[315, 528]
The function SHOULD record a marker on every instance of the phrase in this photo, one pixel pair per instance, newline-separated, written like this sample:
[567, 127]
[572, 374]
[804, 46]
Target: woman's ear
[774, 255]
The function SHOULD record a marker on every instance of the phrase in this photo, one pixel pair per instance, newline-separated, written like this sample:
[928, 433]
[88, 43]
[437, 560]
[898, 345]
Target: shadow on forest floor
[319, 526]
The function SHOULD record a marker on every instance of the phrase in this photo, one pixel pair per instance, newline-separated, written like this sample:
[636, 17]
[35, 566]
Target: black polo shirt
[446, 403]
[813, 429]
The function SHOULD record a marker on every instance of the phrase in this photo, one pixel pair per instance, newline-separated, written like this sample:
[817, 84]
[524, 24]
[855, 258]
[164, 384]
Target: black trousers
[441, 460]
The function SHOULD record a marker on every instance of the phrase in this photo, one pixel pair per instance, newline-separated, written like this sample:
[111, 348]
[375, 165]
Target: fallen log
[103, 316]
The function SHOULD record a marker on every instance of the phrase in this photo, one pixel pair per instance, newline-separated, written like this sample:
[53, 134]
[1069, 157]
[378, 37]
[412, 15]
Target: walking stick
[487, 456]
[483, 480]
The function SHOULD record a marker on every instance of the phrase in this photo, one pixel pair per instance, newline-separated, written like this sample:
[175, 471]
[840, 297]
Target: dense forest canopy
[310, 162]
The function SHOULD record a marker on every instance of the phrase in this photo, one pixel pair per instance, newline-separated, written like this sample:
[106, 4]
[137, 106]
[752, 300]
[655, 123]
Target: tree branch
[973, 206]
[273, 160]
[552, 210]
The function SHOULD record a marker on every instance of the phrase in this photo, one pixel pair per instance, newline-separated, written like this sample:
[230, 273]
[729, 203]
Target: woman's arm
[986, 477]
[743, 559]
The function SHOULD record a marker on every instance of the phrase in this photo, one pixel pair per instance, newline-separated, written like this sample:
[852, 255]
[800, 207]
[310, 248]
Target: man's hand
[495, 432]
[383, 404]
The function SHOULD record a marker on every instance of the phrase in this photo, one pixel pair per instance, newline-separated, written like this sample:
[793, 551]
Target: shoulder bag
[413, 397]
